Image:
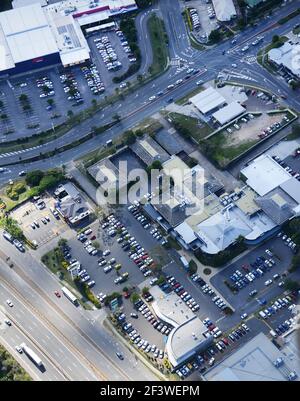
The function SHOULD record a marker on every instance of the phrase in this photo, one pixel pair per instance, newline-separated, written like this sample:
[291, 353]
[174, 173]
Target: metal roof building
[208, 100]
[264, 174]
[254, 361]
[229, 113]
[186, 338]
[224, 9]
[26, 35]
[285, 56]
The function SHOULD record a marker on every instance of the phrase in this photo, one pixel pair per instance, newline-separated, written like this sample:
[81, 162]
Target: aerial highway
[89, 350]
[137, 106]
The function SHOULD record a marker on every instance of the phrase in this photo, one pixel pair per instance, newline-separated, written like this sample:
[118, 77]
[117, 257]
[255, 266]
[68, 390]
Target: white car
[106, 252]
[151, 98]
[244, 316]
[19, 349]
[9, 303]
[268, 282]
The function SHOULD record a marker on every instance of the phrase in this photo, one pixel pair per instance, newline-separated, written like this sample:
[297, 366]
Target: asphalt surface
[241, 301]
[81, 331]
[137, 107]
[86, 336]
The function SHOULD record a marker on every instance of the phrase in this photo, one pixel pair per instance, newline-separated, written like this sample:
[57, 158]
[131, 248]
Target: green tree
[214, 36]
[50, 102]
[96, 244]
[160, 280]
[62, 242]
[192, 267]
[129, 137]
[33, 178]
[145, 290]
[134, 297]
[291, 285]
[23, 98]
[275, 39]
[70, 113]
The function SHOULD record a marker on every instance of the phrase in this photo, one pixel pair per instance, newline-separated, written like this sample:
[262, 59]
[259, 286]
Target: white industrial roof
[286, 56]
[228, 113]
[22, 3]
[292, 188]
[264, 174]
[185, 340]
[224, 9]
[208, 100]
[253, 362]
[70, 40]
[6, 60]
[27, 33]
[186, 232]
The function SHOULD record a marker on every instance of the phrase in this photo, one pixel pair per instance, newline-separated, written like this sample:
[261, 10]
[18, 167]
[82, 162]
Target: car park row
[254, 271]
[206, 289]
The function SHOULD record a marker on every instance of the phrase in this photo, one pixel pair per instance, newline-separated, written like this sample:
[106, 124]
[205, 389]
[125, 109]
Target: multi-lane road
[71, 341]
[137, 106]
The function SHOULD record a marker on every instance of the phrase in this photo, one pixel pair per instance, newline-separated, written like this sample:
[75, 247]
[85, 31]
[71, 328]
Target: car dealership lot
[282, 256]
[46, 227]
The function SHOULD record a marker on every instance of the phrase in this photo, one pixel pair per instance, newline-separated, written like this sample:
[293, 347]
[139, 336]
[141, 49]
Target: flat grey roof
[252, 362]
[292, 188]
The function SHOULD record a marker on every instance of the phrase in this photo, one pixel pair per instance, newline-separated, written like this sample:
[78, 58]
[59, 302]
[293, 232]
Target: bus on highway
[32, 355]
[71, 297]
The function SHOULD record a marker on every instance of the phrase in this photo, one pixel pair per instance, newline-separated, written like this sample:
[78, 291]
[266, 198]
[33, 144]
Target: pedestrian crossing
[17, 152]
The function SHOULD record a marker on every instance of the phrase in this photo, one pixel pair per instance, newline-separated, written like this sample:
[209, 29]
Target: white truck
[184, 262]
[32, 355]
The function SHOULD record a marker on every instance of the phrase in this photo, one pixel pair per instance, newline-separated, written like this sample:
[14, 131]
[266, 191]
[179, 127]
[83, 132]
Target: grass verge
[159, 42]
[10, 370]
[190, 127]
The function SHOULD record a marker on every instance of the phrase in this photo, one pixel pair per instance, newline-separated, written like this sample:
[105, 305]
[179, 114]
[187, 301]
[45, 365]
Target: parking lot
[95, 265]
[39, 225]
[241, 300]
[206, 16]
[48, 97]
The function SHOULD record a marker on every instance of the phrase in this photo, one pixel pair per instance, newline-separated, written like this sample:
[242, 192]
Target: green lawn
[190, 126]
[10, 203]
[159, 40]
[221, 151]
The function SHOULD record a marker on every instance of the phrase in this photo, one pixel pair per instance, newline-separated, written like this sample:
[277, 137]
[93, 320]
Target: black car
[120, 356]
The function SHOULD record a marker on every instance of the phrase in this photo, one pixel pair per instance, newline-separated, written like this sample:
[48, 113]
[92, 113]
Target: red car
[57, 294]
[245, 267]
[145, 257]
[225, 341]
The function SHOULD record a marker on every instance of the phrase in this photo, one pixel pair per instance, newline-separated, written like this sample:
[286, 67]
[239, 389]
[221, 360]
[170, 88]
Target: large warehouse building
[35, 35]
[27, 40]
